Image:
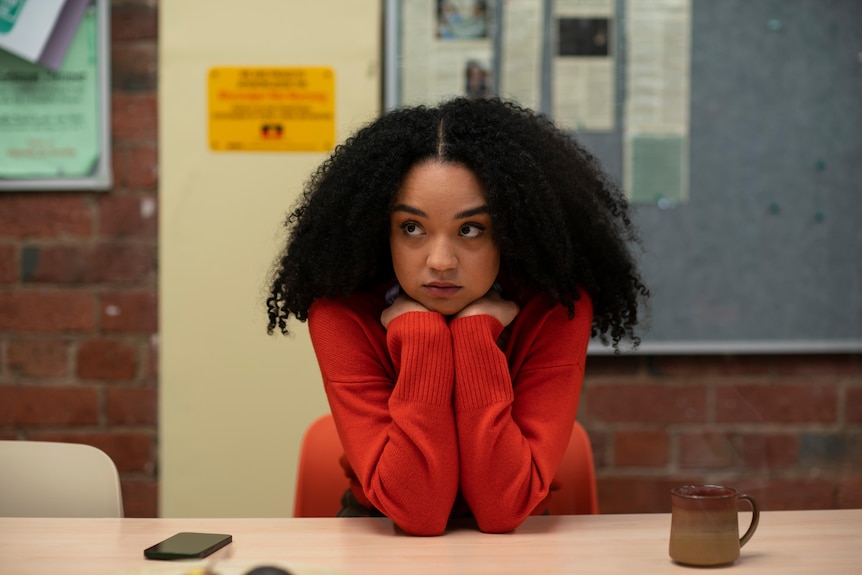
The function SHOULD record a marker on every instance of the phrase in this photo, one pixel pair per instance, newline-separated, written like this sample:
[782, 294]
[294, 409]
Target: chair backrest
[48, 479]
[578, 493]
[321, 481]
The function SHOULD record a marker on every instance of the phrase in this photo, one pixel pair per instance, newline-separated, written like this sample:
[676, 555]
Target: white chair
[47, 479]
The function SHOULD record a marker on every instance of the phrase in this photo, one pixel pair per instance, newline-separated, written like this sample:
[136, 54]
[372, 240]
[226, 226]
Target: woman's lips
[442, 290]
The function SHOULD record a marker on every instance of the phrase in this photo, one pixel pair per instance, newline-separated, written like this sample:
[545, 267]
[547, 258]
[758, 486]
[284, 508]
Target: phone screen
[187, 545]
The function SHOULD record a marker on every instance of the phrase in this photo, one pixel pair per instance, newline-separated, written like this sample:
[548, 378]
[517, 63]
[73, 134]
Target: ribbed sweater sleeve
[514, 411]
[421, 349]
[390, 392]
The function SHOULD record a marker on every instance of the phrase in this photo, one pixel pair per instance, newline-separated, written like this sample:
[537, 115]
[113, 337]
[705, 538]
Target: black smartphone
[188, 545]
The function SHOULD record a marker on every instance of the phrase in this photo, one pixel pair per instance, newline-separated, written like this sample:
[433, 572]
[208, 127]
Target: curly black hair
[559, 221]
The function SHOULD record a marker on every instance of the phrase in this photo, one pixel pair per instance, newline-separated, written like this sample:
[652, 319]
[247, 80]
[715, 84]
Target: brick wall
[78, 288]
[785, 429]
[78, 344]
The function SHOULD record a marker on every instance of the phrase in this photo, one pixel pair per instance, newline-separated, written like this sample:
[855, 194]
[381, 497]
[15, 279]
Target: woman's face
[441, 237]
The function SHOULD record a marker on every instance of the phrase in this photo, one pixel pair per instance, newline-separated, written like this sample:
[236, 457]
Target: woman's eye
[411, 228]
[472, 230]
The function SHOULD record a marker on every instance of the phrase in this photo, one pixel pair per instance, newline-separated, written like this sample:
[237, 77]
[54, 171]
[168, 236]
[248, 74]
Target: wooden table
[787, 542]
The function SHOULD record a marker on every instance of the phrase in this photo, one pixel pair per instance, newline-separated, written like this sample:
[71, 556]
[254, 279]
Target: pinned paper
[40, 31]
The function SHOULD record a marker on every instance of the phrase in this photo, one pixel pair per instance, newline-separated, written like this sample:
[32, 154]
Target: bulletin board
[745, 179]
[55, 107]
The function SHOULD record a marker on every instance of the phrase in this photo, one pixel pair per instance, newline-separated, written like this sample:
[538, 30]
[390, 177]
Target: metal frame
[101, 179]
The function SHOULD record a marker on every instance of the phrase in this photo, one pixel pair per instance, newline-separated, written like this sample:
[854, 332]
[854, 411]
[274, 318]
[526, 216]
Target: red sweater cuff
[481, 371]
[421, 349]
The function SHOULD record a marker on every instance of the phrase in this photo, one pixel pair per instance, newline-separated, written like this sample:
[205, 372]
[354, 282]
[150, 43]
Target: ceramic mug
[704, 526]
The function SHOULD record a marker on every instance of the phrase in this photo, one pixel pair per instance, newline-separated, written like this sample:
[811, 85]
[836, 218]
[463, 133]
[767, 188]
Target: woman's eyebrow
[409, 210]
[483, 209]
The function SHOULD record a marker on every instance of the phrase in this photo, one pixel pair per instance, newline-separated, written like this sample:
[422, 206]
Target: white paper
[442, 56]
[658, 81]
[584, 83]
[32, 28]
[522, 52]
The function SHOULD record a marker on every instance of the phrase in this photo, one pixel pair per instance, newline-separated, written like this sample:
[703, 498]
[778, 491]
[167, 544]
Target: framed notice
[55, 122]
[266, 109]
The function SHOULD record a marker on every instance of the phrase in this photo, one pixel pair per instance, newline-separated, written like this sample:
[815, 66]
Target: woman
[453, 263]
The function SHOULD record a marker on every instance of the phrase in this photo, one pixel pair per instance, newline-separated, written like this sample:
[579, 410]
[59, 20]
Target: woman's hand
[401, 305]
[493, 304]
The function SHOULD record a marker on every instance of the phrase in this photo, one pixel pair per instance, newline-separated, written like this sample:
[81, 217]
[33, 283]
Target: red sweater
[432, 408]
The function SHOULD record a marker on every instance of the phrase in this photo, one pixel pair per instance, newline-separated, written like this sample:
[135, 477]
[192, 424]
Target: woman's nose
[441, 255]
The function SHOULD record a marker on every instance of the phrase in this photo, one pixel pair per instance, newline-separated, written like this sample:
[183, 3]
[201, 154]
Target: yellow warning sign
[271, 109]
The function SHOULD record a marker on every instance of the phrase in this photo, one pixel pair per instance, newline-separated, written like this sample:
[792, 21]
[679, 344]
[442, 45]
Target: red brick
[48, 406]
[134, 21]
[769, 451]
[134, 312]
[777, 402]
[119, 163]
[8, 264]
[64, 263]
[103, 263]
[779, 494]
[131, 406]
[645, 448]
[45, 215]
[638, 494]
[647, 403]
[134, 117]
[849, 492]
[107, 360]
[134, 216]
[38, 358]
[134, 66]
[700, 366]
[600, 445]
[122, 264]
[853, 405]
[131, 451]
[143, 170]
[612, 365]
[152, 358]
[54, 312]
[820, 365]
[836, 451]
[140, 497]
[706, 450]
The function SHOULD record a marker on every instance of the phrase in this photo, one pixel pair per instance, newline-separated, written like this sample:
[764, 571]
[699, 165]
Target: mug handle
[755, 519]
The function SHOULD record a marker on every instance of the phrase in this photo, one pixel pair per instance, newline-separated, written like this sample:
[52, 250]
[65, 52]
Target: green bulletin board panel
[656, 168]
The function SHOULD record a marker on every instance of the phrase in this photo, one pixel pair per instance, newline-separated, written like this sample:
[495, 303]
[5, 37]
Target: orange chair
[321, 481]
[578, 493]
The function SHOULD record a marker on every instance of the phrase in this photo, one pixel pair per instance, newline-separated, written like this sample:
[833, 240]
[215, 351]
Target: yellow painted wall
[233, 401]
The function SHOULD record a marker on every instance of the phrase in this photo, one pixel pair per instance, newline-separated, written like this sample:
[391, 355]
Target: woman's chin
[447, 309]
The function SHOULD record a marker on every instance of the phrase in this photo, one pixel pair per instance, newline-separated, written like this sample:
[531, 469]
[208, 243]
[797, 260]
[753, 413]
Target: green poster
[49, 121]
